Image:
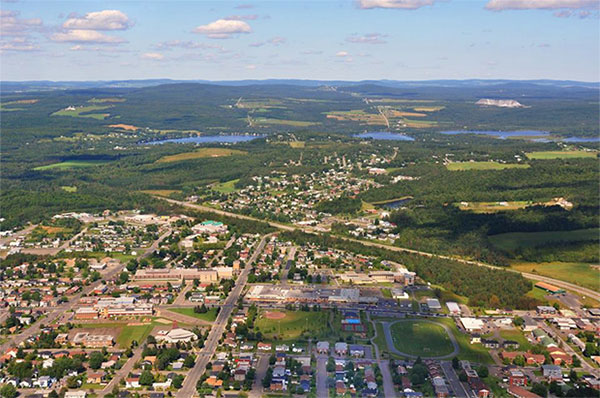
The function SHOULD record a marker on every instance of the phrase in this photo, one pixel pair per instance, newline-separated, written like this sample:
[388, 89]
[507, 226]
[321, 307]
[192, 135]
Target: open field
[70, 164]
[492, 207]
[68, 188]
[18, 102]
[200, 153]
[105, 100]
[420, 123]
[468, 351]
[125, 333]
[514, 240]
[160, 192]
[561, 154]
[460, 166]
[428, 108]
[209, 316]
[225, 187]
[82, 111]
[297, 144]
[283, 122]
[357, 115]
[128, 127]
[421, 338]
[295, 324]
[578, 273]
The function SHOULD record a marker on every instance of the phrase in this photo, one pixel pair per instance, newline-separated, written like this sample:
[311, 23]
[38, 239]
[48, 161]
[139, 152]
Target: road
[388, 382]
[565, 285]
[17, 234]
[210, 345]
[322, 390]
[261, 372]
[390, 341]
[457, 387]
[123, 372]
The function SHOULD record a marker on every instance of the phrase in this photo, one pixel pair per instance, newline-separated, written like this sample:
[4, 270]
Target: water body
[543, 136]
[582, 139]
[203, 139]
[384, 135]
[394, 204]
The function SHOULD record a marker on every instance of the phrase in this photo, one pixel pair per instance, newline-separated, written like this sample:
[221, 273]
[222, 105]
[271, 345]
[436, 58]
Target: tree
[96, 360]
[189, 361]
[8, 391]
[483, 371]
[146, 378]
[53, 394]
[178, 381]
[455, 362]
[539, 389]
[330, 364]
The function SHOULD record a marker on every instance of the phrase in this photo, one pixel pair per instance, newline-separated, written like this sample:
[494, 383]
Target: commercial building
[208, 275]
[472, 325]
[549, 288]
[453, 307]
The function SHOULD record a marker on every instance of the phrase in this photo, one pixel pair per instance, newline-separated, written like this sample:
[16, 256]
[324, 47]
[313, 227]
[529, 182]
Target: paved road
[123, 372]
[322, 390]
[390, 341]
[210, 345]
[565, 285]
[388, 382]
[261, 372]
[457, 387]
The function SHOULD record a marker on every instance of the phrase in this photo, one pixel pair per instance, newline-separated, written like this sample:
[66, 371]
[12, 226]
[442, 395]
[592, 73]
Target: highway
[565, 285]
[210, 345]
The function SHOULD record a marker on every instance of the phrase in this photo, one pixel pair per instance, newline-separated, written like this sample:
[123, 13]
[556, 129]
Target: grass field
[105, 100]
[297, 144]
[283, 122]
[579, 273]
[492, 207]
[561, 154]
[199, 154]
[461, 166]
[70, 164]
[161, 192]
[79, 112]
[468, 351]
[421, 338]
[226, 187]
[209, 316]
[514, 240]
[295, 325]
[127, 333]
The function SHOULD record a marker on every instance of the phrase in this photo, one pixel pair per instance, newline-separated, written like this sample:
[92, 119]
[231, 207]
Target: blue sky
[347, 40]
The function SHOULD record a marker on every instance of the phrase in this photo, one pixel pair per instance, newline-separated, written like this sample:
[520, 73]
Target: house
[95, 377]
[492, 344]
[510, 345]
[264, 346]
[341, 348]
[520, 392]
[305, 385]
[357, 350]
[282, 348]
[517, 378]
[323, 347]
[75, 394]
[559, 357]
[552, 372]
[44, 381]
[214, 382]
[132, 382]
[239, 375]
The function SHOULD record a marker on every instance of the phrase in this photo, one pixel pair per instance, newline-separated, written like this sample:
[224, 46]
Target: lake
[203, 139]
[544, 136]
[394, 204]
[384, 135]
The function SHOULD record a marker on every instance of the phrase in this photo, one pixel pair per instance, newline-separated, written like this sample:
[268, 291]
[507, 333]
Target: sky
[324, 40]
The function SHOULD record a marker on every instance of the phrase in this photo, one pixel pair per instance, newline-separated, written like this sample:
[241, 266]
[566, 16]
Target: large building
[208, 275]
[278, 294]
[209, 227]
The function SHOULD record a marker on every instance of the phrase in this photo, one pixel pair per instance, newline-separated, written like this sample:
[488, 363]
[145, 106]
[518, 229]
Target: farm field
[421, 338]
[283, 122]
[160, 192]
[209, 316]
[200, 153]
[578, 273]
[294, 325]
[514, 240]
[226, 187]
[492, 207]
[561, 154]
[82, 111]
[460, 166]
[70, 164]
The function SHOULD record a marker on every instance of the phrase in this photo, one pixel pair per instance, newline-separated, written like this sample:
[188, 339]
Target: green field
[209, 316]
[68, 188]
[126, 333]
[82, 111]
[468, 351]
[199, 154]
[514, 240]
[70, 164]
[226, 187]
[461, 166]
[420, 338]
[561, 154]
[295, 325]
[578, 273]
[283, 122]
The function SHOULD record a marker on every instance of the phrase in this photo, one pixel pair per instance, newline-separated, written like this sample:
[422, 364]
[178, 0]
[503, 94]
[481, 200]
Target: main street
[565, 285]
[210, 345]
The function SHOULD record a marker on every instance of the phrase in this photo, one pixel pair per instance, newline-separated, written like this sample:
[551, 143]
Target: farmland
[562, 154]
[225, 187]
[282, 122]
[84, 111]
[582, 274]
[462, 166]
[70, 164]
[200, 154]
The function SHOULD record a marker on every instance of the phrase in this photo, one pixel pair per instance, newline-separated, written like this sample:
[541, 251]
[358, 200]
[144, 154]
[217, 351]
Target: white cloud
[500, 5]
[371, 38]
[251, 67]
[190, 45]
[342, 54]
[99, 20]
[153, 56]
[250, 17]
[400, 4]
[11, 25]
[223, 29]
[18, 44]
[85, 36]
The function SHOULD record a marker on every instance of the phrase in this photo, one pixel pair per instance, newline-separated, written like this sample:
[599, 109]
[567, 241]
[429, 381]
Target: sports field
[200, 153]
[70, 164]
[461, 166]
[294, 325]
[209, 316]
[562, 154]
[582, 274]
[421, 338]
[514, 240]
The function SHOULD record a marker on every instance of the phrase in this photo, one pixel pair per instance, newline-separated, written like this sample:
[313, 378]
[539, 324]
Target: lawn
[70, 164]
[516, 335]
[209, 316]
[561, 154]
[295, 325]
[514, 240]
[579, 273]
[82, 111]
[421, 338]
[134, 332]
[226, 187]
[461, 166]
[200, 154]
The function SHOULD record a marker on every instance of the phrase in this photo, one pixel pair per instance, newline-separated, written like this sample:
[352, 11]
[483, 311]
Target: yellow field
[428, 108]
[161, 192]
[459, 166]
[395, 113]
[297, 144]
[128, 127]
[199, 154]
[294, 123]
